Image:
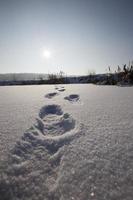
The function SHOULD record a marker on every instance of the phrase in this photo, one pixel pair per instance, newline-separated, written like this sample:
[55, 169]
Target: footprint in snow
[53, 129]
[72, 98]
[51, 95]
[56, 122]
[35, 160]
[56, 88]
[61, 90]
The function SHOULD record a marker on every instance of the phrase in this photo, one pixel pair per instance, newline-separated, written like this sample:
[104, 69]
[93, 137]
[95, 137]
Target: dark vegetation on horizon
[122, 76]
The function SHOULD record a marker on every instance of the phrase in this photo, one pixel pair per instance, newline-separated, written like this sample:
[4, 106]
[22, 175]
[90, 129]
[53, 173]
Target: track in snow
[72, 98]
[33, 165]
[51, 95]
[60, 88]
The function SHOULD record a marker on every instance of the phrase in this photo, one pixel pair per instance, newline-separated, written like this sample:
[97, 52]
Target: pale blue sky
[81, 35]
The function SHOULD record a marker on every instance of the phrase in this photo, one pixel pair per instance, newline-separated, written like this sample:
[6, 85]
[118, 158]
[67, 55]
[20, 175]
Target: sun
[46, 53]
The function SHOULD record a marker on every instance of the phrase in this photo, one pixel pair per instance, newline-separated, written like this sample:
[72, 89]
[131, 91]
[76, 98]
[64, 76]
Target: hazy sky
[75, 36]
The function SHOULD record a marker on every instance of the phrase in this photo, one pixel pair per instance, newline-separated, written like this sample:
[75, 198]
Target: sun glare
[46, 53]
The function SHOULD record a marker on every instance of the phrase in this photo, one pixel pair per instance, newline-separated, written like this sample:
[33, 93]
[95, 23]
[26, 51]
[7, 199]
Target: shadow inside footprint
[61, 90]
[72, 98]
[56, 88]
[51, 133]
[51, 95]
[50, 109]
[53, 122]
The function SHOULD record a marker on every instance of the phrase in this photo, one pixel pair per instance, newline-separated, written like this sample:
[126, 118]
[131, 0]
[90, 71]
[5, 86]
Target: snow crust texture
[31, 171]
[58, 158]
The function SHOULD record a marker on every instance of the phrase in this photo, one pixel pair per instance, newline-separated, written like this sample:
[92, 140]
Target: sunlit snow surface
[66, 142]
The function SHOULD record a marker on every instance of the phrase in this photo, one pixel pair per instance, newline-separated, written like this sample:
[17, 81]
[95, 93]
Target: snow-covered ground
[66, 142]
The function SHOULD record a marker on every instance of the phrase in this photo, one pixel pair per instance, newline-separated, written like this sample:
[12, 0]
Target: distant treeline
[22, 76]
[122, 75]
[31, 79]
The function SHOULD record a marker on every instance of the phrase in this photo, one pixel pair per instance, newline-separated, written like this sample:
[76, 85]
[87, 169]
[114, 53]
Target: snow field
[79, 147]
[34, 161]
